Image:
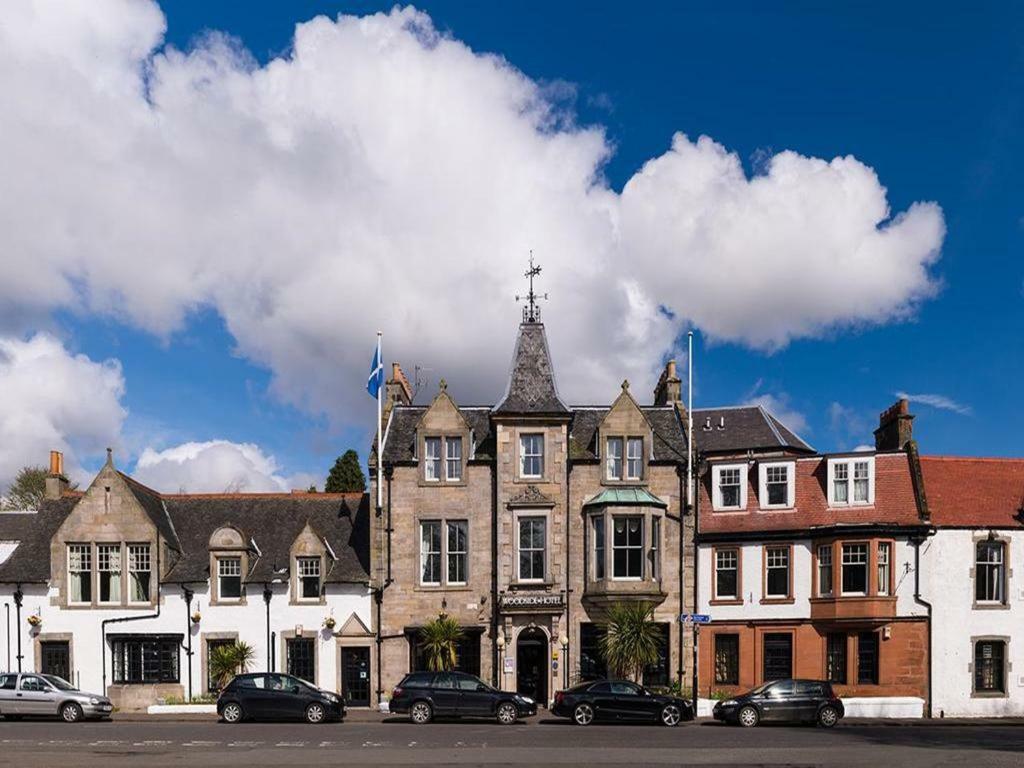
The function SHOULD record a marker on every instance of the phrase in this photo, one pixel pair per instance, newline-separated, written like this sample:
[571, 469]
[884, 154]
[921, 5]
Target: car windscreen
[59, 683]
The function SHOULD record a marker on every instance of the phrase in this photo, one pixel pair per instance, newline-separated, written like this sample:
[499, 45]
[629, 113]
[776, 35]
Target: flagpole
[380, 427]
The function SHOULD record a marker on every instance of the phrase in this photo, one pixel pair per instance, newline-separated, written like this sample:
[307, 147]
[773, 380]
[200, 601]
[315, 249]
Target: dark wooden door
[56, 658]
[355, 676]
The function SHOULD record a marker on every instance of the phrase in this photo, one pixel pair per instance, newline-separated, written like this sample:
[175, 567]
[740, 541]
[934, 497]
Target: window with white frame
[851, 481]
[458, 550]
[453, 459]
[729, 486]
[79, 573]
[628, 547]
[884, 566]
[634, 458]
[655, 543]
[776, 581]
[855, 569]
[430, 552]
[726, 574]
[825, 570]
[139, 569]
[598, 530]
[532, 548]
[777, 484]
[308, 573]
[531, 455]
[229, 578]
[432, 459]
[108, 570]
[989, 572]
[613, 458]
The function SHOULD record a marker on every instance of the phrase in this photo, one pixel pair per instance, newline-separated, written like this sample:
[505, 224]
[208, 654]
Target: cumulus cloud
[213, 466]
[780, 407]
[941, 402]
[53, 399]
[384, 176]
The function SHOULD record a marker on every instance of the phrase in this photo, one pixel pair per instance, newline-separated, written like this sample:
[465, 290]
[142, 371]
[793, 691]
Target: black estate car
[269, 696]
[426, 695]
[792, 701]
[619, 700]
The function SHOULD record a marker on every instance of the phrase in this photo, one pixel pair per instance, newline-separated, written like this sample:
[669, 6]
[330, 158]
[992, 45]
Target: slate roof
[273, 521]
[974, 492]
[531, 380]
[153, 504]
[400, 438]
[747, 427]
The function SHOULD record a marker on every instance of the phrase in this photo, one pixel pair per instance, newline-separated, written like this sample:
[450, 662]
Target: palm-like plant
[631, 639]
[226, 661]
[440, 637]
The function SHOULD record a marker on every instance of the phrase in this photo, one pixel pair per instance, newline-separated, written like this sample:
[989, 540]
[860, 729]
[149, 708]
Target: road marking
[290, 744]
[200, 744]
[244, 743]
[373, 743]
[152, 743]
[106, 743]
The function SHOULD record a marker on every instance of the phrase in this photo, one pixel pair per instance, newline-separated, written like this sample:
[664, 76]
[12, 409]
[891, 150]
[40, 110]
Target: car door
[806, 696]
[36, 696]
[605, 705]
[476, 698]
[8, 689]
[445, 694]
[630, 701]
[777, 702]
[290, 696]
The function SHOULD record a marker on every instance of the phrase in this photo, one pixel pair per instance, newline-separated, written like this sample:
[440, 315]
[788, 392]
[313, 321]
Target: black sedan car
[426, 695]
[786, 701]
[263, 696]
[618, 700]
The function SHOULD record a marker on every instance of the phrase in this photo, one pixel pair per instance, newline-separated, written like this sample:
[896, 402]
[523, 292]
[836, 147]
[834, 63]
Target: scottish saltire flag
[376, 380]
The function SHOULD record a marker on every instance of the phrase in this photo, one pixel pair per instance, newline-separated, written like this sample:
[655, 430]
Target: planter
[196, 617]
[330, 623]
[35, 620]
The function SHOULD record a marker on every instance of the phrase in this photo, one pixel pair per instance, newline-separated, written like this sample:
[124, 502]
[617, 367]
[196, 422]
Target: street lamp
[500, 642]
[564, 642]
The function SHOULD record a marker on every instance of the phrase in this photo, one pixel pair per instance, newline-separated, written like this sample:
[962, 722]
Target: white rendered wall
[947, 563]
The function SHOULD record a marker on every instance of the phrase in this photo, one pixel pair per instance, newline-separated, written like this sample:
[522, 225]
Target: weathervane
[531, 312]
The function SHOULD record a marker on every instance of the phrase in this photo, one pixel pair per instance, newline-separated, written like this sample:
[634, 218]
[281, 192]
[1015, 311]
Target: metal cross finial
[531, 312]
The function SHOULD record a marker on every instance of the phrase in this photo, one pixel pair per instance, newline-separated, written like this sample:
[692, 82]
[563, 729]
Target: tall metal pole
[689, 491]
[380, 427]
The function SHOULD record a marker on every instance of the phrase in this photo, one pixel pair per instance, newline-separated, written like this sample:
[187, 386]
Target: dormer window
[613, 461]
[453, 459]
[308, 570]
[777, 484]
[624, 467]
[729, 488]
[531, 455]
[229, 578]
[634, 458]
[851, 481]
[432, 459]
[442, 459]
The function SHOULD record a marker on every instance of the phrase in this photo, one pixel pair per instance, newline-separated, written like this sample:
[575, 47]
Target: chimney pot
[895, 427]
[56, 483]
[670, 389]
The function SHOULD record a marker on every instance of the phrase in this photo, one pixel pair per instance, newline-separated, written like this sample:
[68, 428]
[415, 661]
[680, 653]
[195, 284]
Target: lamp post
[564, 642]
[500, 642]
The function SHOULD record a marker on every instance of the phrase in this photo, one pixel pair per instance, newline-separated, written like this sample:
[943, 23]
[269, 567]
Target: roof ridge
[771, 423]
[267, 494]
[993, 459]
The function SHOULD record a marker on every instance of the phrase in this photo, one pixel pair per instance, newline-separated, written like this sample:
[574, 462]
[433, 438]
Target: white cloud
[55, 400]
[385, 176]
[214, 466]
[779, 406]
[941, 402]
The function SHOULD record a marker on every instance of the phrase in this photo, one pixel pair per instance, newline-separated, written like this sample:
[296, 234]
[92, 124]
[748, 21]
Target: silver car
[40, 695]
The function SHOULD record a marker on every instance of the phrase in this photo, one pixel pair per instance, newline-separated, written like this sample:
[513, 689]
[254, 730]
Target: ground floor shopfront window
[467, 652]
[145, 658]
[593, 666]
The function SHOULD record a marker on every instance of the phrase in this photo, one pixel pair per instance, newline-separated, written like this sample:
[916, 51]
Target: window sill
[777, 600]
[990, 606]
[773, 508]
[728, 509]
[442, 588]
[527, 584]
[726, 601]
[989, 695]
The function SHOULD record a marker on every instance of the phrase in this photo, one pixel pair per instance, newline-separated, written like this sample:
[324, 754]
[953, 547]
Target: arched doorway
[532, 665]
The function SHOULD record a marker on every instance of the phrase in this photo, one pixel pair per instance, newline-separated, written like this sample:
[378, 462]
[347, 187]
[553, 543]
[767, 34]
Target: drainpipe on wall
[18, 596]
[378, 594]
[7, 610]
[696, 579]
[918, 541]
[267, 594]
[188, 634]
[497, 675]
[567, 632]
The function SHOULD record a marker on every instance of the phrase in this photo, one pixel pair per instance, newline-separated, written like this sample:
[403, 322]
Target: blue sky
[927, 96]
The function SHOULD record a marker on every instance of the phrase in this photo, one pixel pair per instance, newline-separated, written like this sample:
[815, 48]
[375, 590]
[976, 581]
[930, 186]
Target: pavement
[368, 738]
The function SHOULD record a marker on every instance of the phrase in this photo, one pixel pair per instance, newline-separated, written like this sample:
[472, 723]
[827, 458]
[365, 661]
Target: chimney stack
[895, 427]
[670, 389]
[56, 482]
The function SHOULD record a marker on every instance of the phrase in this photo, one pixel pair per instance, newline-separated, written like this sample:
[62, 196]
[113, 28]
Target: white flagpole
[689, 421]
[380, 427]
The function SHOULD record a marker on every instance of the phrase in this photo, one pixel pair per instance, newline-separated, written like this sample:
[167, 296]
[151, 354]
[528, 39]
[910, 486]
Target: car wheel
[583, 714]
[507, 713]
[827, 717]
[670, 715]
[421, 713]
[71, 712]
[748, 717]
[315, 713]
[232, 713]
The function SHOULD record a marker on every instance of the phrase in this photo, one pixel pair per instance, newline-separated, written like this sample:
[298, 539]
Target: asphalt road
[541, 742]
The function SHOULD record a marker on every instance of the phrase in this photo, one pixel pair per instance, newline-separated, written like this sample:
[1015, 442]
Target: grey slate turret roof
[531, 386]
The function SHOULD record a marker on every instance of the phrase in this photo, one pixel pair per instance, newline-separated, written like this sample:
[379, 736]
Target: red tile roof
[965, 491]
[895, 501]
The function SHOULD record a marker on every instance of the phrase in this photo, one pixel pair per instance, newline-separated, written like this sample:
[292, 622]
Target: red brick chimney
[895, 427]
[56, 482]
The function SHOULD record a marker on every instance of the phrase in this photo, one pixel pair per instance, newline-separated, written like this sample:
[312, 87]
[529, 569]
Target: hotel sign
[528, 603]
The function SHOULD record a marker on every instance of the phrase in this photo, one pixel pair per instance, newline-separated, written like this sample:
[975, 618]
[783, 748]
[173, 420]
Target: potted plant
[440, 638]
[229, 660]
[196, 617]
[631, 640]
[330, 623]
[35, 620]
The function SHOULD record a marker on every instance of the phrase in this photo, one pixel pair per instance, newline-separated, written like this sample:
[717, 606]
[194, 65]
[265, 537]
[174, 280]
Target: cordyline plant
[226, 661]
[440, 637]
[631, 640]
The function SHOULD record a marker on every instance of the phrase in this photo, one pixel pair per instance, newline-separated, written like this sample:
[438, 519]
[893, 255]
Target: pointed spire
[531, 381]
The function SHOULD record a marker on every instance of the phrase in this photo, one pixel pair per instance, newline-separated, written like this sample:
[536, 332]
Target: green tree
[346, 476]
[226, 661]
[440, 637]
[27, 491]
[631, 639]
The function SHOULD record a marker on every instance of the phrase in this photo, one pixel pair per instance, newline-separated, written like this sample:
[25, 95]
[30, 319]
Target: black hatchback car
[619, 700]
[786, 701]
[426, 695]
[269, 696]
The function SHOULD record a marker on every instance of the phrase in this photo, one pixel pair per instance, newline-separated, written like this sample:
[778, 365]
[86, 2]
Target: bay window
[627, 547]
[855, 569]
[825, 570]
[884, 566]
[597, 525]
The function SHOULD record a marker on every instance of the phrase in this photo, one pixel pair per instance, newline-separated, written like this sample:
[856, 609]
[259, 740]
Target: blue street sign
[695, 618]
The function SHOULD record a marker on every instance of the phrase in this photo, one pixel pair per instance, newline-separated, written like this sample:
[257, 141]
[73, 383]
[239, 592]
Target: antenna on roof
[418, 380]
[531, 312]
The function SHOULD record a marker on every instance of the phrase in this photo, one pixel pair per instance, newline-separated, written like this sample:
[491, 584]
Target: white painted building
[125, 590]
[973, 575]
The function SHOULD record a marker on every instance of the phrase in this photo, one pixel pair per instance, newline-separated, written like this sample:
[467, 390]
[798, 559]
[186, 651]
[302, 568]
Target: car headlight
[729, 703]
[94, 701]
[331, 698]
[526, 700]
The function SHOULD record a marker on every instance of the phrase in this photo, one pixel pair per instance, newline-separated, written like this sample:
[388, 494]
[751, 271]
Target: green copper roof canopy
[625, 496]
